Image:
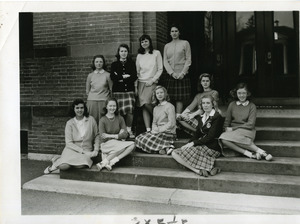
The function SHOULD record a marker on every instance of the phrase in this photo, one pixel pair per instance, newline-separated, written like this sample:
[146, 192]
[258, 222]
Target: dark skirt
[150, 143]
[179, 90]
[199, 157]
[126, 102]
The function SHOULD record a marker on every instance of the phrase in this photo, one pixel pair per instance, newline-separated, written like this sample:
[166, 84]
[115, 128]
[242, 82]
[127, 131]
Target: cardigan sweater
[88, 142]
[98, 86]
[207, 133]
[112, 127]
[164, 118]
[177, 56]
[149, 66]
[118, 69]
[239, 116]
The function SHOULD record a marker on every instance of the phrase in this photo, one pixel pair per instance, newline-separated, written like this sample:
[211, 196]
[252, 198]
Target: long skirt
[199, 157]
[126, 102]
[179, 89]
[114, 146]
[240, 135]
[73, 158]
[152, 143]
[145, 93]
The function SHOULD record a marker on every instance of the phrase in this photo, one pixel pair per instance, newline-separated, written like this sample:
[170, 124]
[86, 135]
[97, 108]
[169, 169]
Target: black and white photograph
[150, 112]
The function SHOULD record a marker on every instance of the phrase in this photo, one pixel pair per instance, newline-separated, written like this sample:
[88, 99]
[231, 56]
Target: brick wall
[64, 45]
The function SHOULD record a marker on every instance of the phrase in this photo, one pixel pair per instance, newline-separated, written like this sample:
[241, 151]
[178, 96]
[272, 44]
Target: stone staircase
[278, 132]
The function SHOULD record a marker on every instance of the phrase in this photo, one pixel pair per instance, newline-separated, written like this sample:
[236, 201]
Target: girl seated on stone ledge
[161, 138]
[82, 140]
[239, 125]
[113, 132]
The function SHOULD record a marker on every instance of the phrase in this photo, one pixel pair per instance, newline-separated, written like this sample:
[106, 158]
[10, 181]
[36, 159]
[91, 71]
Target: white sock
[129, 129]
[248, 154]
[148, 129]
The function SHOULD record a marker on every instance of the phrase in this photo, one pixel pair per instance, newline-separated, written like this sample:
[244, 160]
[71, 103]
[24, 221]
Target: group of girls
[112, 98]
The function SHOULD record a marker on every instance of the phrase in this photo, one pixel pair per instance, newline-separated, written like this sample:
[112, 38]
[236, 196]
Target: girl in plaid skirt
[188, 119]
[201, 152]
[177, 60]
[161, 138]
[123, 74]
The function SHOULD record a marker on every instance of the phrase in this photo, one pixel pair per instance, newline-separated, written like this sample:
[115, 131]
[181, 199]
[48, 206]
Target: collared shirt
[205, 117]
[99, 72]
[244, 103]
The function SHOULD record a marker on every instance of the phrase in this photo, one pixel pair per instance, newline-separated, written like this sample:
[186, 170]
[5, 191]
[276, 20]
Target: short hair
[241, 85]
[75, 103]
[212, 99]
[211, 78]
[124, 46]
[93, 61]
[106, 103]
[141, 50]
[154, 99]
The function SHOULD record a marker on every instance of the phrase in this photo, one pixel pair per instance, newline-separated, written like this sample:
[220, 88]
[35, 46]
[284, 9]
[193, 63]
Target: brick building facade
[54, 71]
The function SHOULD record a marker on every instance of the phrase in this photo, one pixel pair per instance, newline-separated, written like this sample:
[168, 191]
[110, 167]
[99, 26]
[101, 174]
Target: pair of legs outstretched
[63, 166]
[251, 151]
[110, 160]
[201, 172]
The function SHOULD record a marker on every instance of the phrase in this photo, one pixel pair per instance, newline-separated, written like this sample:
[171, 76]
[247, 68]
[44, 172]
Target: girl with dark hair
[161, 138]
[188, 119]
[112, 131]
[149, 69]
[177, 60]
[201, 152]
[98, 87]
[82, 140]
[239, 125]
[123, 74]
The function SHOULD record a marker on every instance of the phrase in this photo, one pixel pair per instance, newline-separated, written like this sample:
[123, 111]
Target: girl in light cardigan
[161, 138]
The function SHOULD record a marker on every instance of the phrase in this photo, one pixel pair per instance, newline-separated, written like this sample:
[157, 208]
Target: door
[260, 48]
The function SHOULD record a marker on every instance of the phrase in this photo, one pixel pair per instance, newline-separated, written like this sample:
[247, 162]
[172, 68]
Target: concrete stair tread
[278, 113]
[277, 160]
[223, 176]
[171, 196]
[278, 143]
[277, 129]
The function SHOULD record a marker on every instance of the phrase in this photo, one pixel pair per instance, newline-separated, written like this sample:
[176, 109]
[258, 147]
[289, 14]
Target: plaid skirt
[126, 102]
[192, 122]
[152, 143]
[179, 89]
[199, 157]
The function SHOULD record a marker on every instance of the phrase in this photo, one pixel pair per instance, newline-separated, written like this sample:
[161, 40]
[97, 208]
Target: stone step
[278, 133]
[245, 203]
[280, 165]
[277, 122]
[230, 182]
[274, 147]
[280, 148]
